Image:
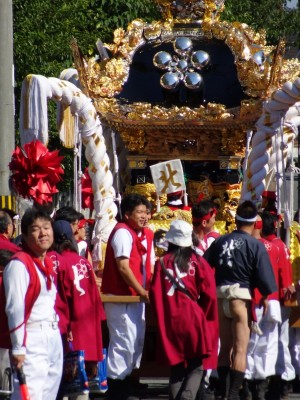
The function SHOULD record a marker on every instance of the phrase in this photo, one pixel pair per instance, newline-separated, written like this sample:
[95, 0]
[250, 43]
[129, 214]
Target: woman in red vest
[81, 292]
[183, 295]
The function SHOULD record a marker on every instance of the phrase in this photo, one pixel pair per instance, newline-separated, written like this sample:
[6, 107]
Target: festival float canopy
[190, 86]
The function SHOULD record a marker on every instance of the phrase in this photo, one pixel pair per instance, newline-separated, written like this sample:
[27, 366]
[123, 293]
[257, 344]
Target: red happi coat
[33, 291]
[187, 328]
[61, 303]
[6, 244]
[84, 304]
[206, 241]
[285, 270]
[179, 207]
[274, 256]
[112, 281]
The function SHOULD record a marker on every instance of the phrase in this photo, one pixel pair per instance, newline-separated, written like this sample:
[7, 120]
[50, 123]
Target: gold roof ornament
[180, 10]
[184, 49]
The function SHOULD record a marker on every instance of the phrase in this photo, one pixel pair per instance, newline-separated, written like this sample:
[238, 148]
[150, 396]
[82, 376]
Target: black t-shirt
[240, 258]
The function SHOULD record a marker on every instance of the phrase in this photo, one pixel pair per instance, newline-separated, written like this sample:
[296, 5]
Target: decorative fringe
[66, 127]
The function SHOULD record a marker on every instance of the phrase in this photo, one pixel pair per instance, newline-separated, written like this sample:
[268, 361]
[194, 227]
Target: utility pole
[7, 131]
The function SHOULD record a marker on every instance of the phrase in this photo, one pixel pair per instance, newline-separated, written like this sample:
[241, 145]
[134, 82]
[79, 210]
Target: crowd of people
[219, 302]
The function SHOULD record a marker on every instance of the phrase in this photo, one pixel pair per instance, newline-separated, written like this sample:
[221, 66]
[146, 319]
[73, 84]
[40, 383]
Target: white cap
[180, 233]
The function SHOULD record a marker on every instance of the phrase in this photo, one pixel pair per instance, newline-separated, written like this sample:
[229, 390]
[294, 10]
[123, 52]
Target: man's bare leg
[226, 338]
[240, 333]
[240, 310]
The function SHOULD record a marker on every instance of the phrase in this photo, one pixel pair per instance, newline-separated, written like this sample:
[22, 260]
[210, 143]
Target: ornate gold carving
[203, 187]
[147, 190]
[225, 196]
[201, 132]
[105, 79]
[211, 130]
[295, 251]
[190, 9]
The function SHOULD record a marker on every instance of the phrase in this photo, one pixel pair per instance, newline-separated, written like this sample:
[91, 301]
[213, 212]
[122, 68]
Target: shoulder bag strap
[177, 282]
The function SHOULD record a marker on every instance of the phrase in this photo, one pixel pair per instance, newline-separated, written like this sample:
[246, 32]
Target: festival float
[190, 86]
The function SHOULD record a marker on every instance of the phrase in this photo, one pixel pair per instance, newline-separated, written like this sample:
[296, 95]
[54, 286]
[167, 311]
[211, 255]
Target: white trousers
[126, 326]
[284, 366]
[43, 363]
[295, 348]
[262, 350]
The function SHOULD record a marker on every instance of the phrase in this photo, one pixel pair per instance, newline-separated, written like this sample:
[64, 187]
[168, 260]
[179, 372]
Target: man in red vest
[174, 201]
[127, 272]
[269, 201]
[203, 218]
[30, 296]
[285, 371]
[6, 232]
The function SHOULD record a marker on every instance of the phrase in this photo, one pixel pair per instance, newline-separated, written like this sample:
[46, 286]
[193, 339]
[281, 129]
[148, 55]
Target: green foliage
[42, 33]
[43, 30]
[270, 15]
[67, 163]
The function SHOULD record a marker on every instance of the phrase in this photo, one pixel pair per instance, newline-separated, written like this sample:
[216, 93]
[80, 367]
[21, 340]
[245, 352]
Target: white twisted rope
[262, 158]
[90, 130]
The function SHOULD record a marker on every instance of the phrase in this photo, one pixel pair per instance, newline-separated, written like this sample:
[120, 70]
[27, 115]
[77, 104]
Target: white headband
[246, 219]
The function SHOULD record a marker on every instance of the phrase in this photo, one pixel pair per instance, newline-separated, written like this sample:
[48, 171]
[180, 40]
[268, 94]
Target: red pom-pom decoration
[36, 171]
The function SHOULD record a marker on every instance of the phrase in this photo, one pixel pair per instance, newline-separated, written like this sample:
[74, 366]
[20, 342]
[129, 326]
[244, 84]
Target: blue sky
[292, 3]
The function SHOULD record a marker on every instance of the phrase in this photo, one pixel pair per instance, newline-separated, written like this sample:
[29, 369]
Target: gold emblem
[169, 179]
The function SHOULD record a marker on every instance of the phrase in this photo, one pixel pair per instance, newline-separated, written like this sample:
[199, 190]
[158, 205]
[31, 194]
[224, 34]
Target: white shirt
[82, 247]
[121, 244]
[16, 281]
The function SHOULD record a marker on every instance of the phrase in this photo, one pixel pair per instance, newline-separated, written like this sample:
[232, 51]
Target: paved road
[158, 390]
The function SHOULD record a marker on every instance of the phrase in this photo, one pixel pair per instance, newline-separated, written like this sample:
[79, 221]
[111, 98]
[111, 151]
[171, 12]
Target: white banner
[168, 177]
